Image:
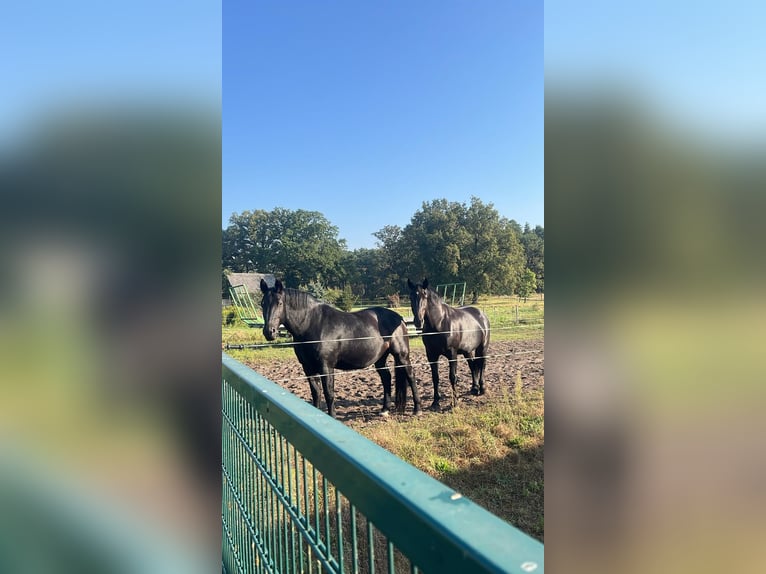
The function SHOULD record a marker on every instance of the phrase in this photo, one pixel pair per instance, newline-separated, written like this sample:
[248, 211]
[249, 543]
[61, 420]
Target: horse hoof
[435, 406]
[475, 391]
[385, 413]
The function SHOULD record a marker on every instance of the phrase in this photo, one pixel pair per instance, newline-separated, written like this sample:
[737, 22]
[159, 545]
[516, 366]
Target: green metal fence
[452, 293]
[304, 493]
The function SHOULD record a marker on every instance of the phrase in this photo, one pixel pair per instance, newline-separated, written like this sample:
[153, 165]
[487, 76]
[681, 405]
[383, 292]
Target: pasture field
[489, 448]
[511, 319]
[492, 453]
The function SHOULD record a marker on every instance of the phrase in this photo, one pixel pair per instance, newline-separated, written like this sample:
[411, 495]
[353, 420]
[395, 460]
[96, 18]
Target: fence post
[517, 314]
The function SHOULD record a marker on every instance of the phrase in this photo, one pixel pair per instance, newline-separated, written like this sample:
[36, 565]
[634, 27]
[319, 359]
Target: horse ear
[264, 285]
[425, 283]
[278, 286]
[410, 284]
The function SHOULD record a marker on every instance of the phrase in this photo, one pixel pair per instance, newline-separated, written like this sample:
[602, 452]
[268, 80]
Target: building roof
[251, 281]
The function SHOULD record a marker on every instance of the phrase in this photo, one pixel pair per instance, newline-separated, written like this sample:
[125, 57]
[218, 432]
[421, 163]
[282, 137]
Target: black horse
[328, 338]
[450, 331]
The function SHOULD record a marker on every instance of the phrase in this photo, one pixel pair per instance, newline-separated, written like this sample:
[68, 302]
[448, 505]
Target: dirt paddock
[359, 394]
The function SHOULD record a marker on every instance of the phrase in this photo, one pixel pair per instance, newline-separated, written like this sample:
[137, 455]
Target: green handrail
[435, 528]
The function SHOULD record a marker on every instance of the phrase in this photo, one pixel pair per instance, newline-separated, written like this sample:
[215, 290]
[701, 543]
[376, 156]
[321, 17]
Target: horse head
[418, 302]
[273, 307]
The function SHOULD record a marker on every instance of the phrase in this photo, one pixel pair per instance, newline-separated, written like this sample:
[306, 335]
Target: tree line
[448, 242]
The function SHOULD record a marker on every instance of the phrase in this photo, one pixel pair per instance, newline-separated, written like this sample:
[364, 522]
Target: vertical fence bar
[236, 473]
[339, 528]
[326, 514]
[257, 494]
[266, 498]
[307, 514]
[370, 547]
[291, 496]
[316, 506]
[241, 482]
[354, 542]
[258, 486]
[274, 502]
[245, 480]
[278, 510]
[284, 511]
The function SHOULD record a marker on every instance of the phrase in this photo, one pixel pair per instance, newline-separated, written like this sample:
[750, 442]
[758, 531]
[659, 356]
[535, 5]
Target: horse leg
[313, 385]
[453, 376]
[474, 368]
[404, 376]
[328, 386]
[385, 378]
[414, 387]
[433, 362]
[481, 361]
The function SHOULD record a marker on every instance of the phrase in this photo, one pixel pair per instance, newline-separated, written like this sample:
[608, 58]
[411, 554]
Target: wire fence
[371, 369]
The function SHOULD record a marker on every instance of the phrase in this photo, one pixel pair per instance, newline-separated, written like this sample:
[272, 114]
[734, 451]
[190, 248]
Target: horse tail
[400, 393]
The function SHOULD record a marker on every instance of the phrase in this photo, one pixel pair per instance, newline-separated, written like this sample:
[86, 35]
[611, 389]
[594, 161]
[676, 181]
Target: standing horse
[450, 331]
[328, 338]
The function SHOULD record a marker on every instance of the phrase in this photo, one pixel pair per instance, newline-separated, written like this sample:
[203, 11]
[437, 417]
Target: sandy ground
[359, 394]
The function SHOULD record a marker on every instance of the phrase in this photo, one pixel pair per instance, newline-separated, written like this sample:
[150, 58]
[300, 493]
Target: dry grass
[492, 454]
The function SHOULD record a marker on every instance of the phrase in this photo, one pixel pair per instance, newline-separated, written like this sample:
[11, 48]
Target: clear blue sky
[363, 110]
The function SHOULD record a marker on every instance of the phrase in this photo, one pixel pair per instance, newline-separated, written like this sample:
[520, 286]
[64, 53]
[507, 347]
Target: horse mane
[302, 298]
[433, 294]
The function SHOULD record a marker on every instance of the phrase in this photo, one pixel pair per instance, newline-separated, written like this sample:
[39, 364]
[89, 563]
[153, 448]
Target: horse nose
[269, 332]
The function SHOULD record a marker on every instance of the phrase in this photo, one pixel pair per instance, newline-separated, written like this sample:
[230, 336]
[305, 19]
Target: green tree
[368, 273]
[299, 246]
[533, 241]
[316, 289]
[432, 240]
[493, 256]
[451, 242]
[394, 260]
[527, 285]
[346, 300]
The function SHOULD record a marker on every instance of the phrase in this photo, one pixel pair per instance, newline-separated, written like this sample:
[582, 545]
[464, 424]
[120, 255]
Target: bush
[331, 296]
[316, 288]
[346, 299]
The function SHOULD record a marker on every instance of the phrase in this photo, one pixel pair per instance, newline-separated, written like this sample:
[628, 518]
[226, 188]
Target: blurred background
[655, 181]
[110, 148]
[110, 175]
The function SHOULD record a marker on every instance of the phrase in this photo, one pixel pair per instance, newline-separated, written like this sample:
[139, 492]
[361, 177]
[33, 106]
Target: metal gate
[248, 311]
[304, 493]
[452, 293]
